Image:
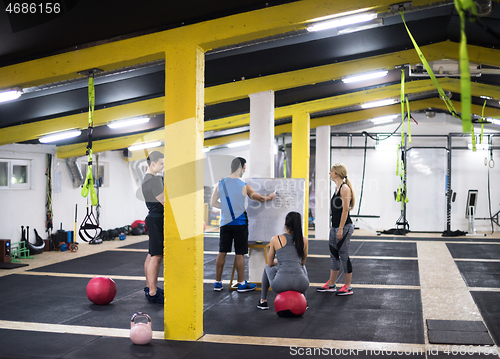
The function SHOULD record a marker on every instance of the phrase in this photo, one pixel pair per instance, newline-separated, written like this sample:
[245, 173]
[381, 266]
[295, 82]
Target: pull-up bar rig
[402, 221]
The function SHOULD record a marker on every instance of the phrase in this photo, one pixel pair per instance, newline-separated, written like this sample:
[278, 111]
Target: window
[4, 174]
[102, 179]
[15, 174]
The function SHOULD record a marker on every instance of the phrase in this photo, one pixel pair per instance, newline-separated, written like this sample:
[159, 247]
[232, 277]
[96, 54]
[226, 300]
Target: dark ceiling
[83, 23]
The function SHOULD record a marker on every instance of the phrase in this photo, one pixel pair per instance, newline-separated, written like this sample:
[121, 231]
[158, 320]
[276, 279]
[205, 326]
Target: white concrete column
[261, 161]
[262, 135]
[322, 185]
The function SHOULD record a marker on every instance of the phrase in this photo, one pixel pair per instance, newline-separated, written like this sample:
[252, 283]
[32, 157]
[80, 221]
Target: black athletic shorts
[240, 236]
[155, 233]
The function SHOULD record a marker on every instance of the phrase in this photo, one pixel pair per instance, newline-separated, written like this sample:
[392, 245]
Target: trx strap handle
[443, 96]
[89, 228]
[88, 186]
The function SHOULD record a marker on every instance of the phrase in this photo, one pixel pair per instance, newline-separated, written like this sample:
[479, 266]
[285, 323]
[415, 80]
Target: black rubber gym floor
[488, 304]
[474, 251]
[380, 315]
[480, 274]
[392, 315]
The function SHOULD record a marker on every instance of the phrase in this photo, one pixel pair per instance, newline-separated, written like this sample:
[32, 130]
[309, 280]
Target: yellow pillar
[183, 253]
[301, 125]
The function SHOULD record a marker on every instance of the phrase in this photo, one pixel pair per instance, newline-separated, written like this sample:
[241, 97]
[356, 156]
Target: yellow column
[183, 253]
[301, 125]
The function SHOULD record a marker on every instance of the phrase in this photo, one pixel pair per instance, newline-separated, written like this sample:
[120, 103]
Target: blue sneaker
[218, 286]
[158, 289]
[247, 287]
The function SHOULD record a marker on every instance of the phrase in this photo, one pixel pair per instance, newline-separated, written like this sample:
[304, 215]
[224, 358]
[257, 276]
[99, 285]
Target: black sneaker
[158, 298]
[158, 289]
[263, 305]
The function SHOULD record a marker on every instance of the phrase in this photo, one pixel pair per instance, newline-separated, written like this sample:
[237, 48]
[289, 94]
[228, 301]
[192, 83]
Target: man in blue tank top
[229, 195]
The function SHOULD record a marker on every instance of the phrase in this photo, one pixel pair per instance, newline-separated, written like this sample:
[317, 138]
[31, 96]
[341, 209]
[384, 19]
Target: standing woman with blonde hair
[341, 231]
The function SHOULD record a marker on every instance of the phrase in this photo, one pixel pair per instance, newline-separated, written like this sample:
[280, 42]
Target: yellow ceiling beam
[356, 98]
[241, 89]
[282, 81]
[325, 104]
[227, 139]
[116, 143]
[210, 34]
[338, 119]
[477, 89]
[34, 130]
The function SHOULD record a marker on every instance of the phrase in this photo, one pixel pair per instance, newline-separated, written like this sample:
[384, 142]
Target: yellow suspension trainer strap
[443, 96]
[483, 120]
[461, 6]
[90, 230]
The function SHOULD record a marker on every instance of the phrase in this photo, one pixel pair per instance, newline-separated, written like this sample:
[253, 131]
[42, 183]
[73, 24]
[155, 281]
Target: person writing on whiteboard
[229, 195]
[341, 231]
[287, 271]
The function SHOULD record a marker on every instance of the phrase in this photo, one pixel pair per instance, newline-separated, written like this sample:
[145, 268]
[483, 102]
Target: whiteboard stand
[256, 264]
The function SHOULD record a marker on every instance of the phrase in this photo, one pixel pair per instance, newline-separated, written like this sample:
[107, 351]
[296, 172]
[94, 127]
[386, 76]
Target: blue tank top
[232, 202]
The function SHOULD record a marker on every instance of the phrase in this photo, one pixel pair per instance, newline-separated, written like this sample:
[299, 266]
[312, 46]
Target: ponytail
[351, 204]
[293, 222]
[341, 171]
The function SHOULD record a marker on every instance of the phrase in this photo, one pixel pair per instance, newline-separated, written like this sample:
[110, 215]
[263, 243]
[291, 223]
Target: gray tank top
[288, 258]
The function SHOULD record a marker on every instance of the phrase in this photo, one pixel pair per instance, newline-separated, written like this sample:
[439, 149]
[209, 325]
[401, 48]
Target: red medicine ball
[101, 290]
[290, 304]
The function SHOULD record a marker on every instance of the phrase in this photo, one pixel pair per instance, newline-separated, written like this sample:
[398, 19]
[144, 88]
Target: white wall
[119, 205]
[25, 207]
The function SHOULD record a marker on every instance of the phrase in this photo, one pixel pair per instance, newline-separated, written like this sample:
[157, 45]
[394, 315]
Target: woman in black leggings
[287, 271]
[341, 231]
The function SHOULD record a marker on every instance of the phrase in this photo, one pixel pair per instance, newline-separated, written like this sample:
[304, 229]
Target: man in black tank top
[153, 192]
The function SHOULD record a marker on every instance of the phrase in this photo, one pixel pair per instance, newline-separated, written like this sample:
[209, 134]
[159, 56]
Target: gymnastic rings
[491, 163]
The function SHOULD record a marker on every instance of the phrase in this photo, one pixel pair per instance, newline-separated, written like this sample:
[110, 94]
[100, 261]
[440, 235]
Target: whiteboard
[267, 219]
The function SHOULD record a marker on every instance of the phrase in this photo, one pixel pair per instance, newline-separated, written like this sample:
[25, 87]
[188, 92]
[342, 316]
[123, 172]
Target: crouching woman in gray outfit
[287, 271]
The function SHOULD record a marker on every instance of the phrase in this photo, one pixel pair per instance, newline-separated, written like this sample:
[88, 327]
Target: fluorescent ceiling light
[486, 97]
[144, 145]
[128, 122]
[351, 29]
[494, 121]
[343, 21]
[206, 149]
[479, 146]
[363, 77]
[383, 119]
[59, 136]
[238, 144]
[10, 95]
[378, 103]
